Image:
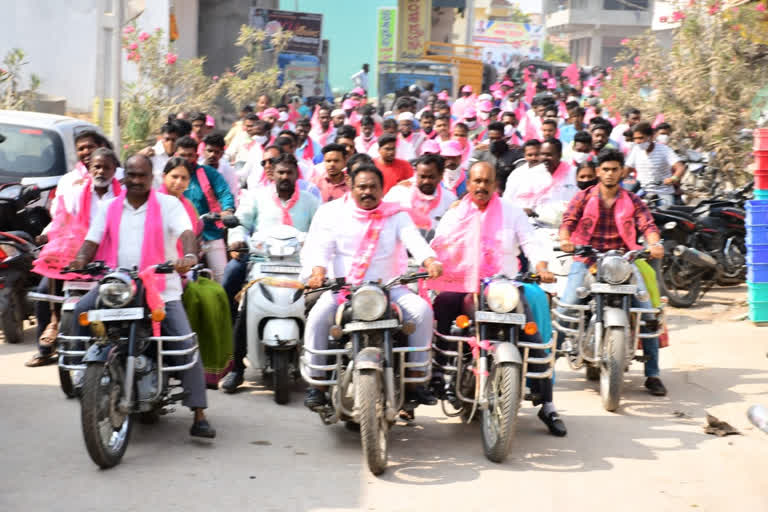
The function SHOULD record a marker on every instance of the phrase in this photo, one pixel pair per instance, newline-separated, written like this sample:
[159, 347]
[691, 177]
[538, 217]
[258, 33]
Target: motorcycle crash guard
[615, 317]
[508, 353]
[369, 359]
[281, 332]
[96, 354]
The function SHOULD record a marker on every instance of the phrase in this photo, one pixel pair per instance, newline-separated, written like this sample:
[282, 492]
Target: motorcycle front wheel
[281, 375]
[680, 294]
[499, 419]
[106, 431]
[65, 376]
[612, 367]
[373, 424]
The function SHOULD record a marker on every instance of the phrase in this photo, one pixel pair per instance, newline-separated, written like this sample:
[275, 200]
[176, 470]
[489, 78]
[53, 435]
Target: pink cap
[451, 148]
[507, 83]
[470, 112]
[485, 106]
[494, 86]
[430, 146]
[359, 91]
[443, 96]
[466, 88]
[270, 112]
[348, 104]
[210, 121]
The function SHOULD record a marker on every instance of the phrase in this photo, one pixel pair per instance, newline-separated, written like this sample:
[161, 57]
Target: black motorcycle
[704, 245]
[20, 223]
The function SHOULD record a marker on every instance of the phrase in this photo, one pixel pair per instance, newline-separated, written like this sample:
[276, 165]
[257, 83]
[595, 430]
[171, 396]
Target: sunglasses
[270, 161]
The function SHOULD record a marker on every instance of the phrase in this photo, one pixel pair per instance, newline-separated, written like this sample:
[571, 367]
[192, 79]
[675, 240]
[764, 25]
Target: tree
[704, 84]
[555, 53]
[516, 15]
[12, 97]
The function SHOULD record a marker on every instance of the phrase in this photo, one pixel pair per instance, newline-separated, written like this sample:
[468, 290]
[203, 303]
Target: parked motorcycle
[272, 309]
[704, 245]
[607, 327]
[20, 223]
[126, 370]
[366, 373]
[487, 370]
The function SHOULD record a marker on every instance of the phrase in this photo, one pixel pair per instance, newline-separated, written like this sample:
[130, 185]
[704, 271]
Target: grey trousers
[175, 324]
[414, 308]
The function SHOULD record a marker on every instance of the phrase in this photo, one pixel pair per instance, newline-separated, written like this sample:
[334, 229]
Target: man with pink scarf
[141, 228]
[364, 239]
[480, 237]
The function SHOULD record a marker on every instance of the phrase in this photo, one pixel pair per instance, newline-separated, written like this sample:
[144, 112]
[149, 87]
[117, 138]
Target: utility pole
[109, 65]
[470, 17]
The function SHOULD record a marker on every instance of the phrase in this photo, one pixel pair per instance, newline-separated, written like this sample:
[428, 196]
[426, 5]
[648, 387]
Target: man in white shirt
[361, 78]
[163, 150]
[408, 141]
[132, 225]
[423, 192]
[213, 153]
[254, 133]
[552, 180]
[657, 166]
[335, 244]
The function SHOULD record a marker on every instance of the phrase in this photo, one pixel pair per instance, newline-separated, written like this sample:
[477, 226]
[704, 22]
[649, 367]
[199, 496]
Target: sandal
[49, 335]
[41, 360]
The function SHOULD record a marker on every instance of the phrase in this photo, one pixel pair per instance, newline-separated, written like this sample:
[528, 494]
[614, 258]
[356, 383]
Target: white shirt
[404, 195]
[361, 79]
[653, 167]
[131, 236]
[158, 164]
[517, 233]
[362, 147]
[525, 185]
[237, 150]
[68, 193]
[229, 174]
[335, 235]
[405, 150]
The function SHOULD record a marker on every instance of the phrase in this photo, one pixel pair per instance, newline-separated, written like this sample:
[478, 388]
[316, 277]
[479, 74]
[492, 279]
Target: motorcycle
[272, 308]
[546, 221]
[367, 368]
[20, 223]
[704, 245]
[126, 372]
[488, 368]
[607, 326]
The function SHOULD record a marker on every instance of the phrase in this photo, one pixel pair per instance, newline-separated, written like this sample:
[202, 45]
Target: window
[625, 5]
[29, 151]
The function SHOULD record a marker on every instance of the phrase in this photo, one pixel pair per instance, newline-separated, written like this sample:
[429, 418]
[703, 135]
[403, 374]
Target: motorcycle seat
[681, 208]
[680, 213]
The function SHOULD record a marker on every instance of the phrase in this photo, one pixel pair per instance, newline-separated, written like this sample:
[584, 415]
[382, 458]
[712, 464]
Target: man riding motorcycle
[364, 239]
[280, 203]
[607, 217]
[141, 228]
[498, 253]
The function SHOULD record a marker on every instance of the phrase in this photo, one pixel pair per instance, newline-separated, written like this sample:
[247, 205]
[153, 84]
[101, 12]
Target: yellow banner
[413, 24]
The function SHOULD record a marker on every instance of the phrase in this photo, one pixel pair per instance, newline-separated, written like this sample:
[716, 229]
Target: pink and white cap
[348, 104]
[270, 112]
[470, 112]
[210, 121]
[430, 146]
[443, 96]
[359, 91]
[451, 148]
[466, 88]
[484, 106]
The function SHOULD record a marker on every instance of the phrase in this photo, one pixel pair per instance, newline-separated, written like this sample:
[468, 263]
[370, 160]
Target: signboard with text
[507, 44]
[386, 33]
[413, 25]
[306, 27]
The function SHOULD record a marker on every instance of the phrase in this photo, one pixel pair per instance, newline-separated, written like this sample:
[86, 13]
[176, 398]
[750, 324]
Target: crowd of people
[367, 185]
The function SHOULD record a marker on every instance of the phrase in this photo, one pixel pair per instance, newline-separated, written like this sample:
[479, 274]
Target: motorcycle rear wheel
[679, 298]
[612, 367]
[499, 420]
[281, 376]
[373, 425]
[12, 319]
[105, 441]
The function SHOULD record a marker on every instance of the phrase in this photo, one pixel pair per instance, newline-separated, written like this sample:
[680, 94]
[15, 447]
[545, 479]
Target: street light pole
[115, 71]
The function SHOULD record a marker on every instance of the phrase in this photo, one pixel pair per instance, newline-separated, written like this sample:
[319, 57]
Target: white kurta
[404, 195]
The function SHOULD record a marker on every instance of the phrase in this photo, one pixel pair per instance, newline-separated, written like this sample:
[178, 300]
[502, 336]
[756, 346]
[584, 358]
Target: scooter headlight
[369, 303]
[116, 291]
[502, 296]
[615, 269]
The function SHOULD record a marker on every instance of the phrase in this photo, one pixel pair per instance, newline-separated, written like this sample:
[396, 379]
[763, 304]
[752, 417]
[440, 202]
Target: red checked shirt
[606, 235]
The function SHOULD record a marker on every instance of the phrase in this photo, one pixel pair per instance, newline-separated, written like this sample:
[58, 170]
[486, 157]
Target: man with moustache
[282, 203]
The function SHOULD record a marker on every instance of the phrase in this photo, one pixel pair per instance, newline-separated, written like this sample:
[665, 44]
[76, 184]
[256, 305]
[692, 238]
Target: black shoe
[230, 383]
[314, 398]
[655, 386]
[554, 423]
[202, 429]
[423, 396]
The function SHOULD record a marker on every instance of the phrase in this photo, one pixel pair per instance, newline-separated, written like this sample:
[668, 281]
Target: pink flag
[572, 74]
[659, 119]
[530, 92]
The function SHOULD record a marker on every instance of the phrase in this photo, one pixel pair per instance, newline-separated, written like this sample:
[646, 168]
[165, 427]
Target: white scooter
[274, 306]
[547, 223]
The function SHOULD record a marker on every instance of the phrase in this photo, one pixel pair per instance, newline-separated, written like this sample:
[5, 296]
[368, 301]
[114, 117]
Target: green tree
[12, 96]
[555, 53]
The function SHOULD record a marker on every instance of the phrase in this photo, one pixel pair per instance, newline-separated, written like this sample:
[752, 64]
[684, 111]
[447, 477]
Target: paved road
[650, 456]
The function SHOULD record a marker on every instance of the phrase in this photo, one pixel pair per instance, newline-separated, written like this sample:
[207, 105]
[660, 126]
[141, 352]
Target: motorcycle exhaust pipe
[694, 257]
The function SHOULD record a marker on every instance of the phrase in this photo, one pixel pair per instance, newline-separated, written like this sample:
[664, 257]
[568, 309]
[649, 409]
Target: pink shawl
[210, 196]
[624, 216]
[286, 208]
[84, 213]
[370, 241]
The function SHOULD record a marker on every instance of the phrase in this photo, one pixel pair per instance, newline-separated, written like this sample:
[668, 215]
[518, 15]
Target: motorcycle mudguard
[96, 354]
[507, 353]
[369, 359]
[281, 333]
[615, 317]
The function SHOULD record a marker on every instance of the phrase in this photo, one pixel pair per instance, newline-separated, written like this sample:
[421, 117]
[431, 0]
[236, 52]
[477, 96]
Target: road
[652, 455]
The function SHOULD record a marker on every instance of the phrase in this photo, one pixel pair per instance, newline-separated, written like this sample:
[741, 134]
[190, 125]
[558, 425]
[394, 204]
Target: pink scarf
[81, 169]
[153, 245]
[429, 136]
[194, 218]
[84, 215]
[370, 241]
[309, 151]
[423, 204]
[210, 196]
[471, 249]
[286, 208]
[623, 213]
[366, 145]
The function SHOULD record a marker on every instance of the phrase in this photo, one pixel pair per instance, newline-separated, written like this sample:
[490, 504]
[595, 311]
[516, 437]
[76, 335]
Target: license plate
[499, 318]
[623, 289]
[280, 269]
[113, 315]
[367, 326]
[80, 285]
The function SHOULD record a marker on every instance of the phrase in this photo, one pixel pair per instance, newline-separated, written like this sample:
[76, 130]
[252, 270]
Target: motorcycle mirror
[30, 194]
[230, 221]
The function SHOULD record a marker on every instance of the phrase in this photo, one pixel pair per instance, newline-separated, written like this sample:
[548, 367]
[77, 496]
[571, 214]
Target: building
[595, 28]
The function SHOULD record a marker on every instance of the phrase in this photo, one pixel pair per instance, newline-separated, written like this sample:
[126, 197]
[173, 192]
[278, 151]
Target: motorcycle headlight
[502, 296]
[369, 303]
[615, 269]
[116, 292]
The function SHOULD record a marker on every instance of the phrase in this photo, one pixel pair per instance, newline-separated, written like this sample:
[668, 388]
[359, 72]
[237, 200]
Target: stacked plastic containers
[757, 233]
